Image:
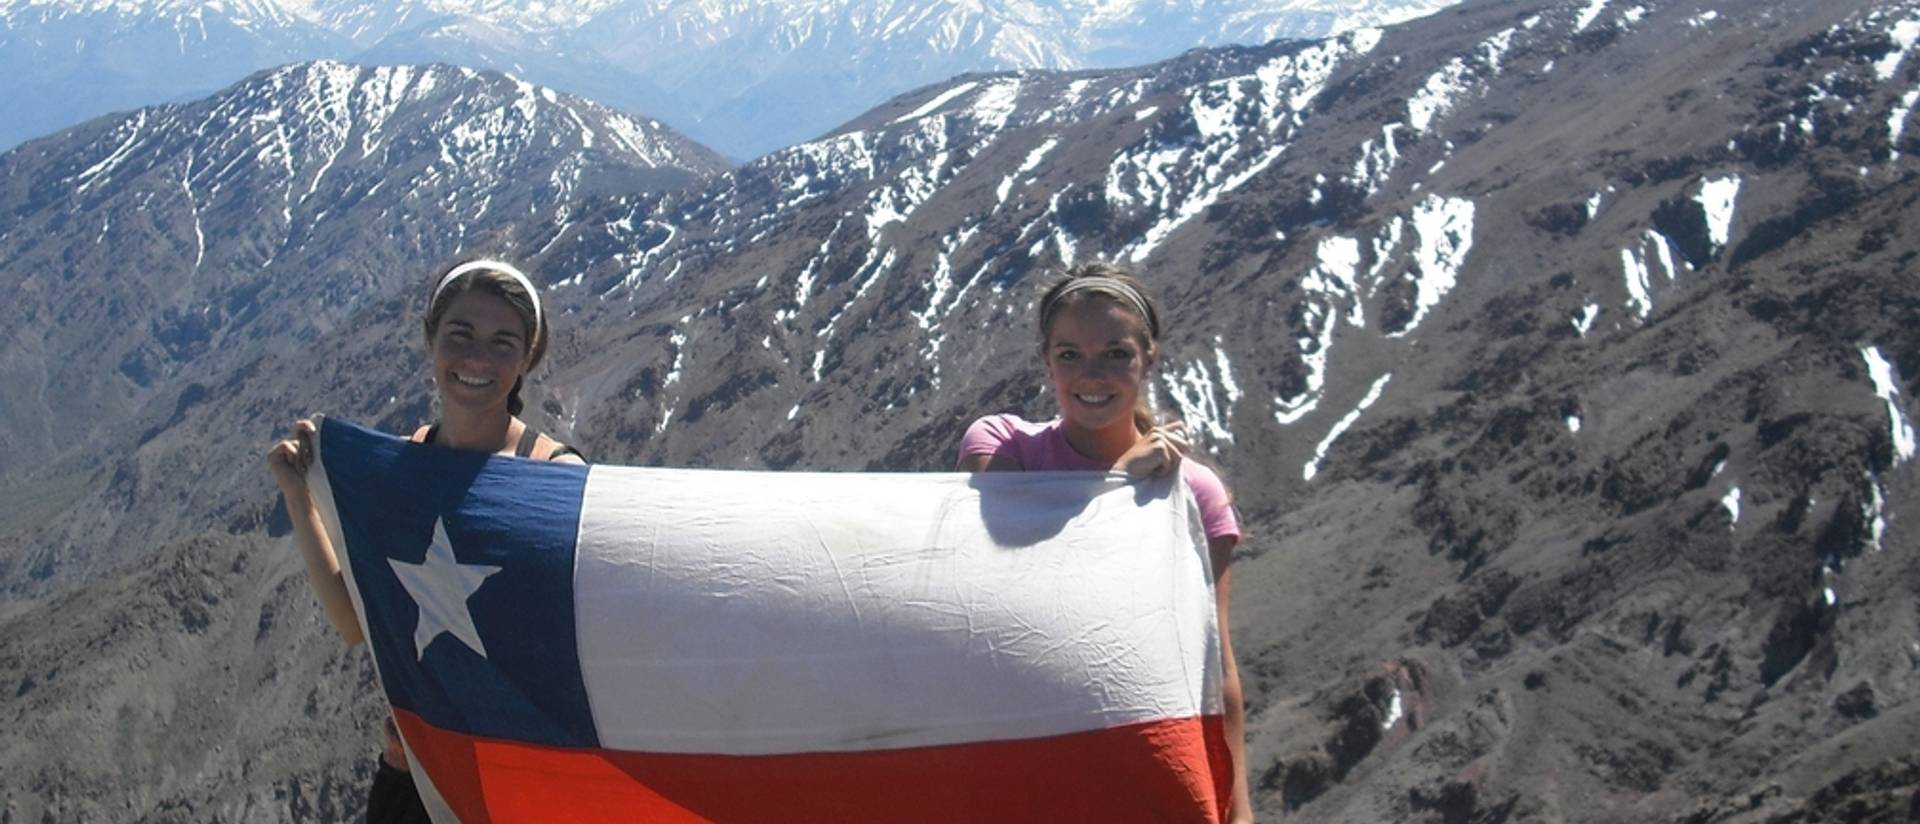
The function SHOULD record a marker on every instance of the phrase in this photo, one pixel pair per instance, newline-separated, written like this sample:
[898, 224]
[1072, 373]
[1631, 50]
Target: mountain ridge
[756, 76]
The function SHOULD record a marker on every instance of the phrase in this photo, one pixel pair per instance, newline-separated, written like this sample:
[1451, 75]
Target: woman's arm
[1241, 811]
[288, 461]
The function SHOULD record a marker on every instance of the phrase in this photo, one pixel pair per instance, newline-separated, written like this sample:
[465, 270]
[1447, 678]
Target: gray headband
[1111, 287]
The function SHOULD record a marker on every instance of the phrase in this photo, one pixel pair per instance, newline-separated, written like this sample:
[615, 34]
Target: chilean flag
[570, 643]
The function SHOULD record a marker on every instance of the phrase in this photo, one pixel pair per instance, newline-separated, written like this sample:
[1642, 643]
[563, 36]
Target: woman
[1100, 337]
[485, 331]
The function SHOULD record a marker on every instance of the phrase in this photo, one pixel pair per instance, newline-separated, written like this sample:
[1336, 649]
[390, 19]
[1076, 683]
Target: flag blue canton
[515, 521]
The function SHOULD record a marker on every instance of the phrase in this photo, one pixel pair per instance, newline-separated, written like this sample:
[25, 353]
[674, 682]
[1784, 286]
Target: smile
[1093, 400]
[466, 381]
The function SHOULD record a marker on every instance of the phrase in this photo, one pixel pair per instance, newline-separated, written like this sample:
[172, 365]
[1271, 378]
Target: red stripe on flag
[1177, 770]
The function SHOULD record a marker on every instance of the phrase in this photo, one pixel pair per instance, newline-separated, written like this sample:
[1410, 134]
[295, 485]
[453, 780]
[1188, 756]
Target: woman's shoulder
[1205, 480]
[1002, 434]
[550, 448]
[1005, 428]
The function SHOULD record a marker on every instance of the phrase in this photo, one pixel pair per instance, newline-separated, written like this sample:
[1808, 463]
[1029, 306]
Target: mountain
[1560, 356]
[745, 76]
[756, 76]
[67, 63]
[208, 235]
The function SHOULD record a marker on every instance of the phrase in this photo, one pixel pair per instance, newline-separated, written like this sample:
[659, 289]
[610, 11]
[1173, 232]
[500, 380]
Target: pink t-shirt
[1043, 446]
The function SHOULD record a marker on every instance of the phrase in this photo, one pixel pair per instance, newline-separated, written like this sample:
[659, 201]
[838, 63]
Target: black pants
[393, 799]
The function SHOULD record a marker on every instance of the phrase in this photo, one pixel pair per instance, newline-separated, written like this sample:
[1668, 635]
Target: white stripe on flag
[753, 613]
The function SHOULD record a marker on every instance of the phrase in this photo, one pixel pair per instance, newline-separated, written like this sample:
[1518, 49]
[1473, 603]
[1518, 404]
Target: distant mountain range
[1561, 356]
[744, 77]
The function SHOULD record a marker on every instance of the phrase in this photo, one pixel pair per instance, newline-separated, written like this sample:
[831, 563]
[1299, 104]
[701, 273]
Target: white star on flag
[441, 586]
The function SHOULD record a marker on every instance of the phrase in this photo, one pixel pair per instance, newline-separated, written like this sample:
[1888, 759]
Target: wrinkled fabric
[571, 642]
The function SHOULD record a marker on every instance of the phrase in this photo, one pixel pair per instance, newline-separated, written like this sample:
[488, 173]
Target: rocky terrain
[1561, 356]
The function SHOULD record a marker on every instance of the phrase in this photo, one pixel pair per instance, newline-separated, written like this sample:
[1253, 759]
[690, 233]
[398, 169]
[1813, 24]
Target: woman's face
[1097, 363]
[479, 350]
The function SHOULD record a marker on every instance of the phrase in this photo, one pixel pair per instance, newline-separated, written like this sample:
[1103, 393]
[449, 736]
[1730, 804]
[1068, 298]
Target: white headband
[494, 266]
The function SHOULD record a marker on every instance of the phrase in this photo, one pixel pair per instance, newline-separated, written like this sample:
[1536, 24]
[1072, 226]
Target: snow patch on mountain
[1177, 176]
[1886, 386]
[1904, 33]
[1337, 288]
[938, 100]
[803, 284]
[1587, 14]
[1717, 197]
[1897, 122]
[1205, 394]
[1440, 93]
[1445, 88]
[1338, 272]
[1032, 162]
[1583, 319]
[1873, 511]
[1395, 711]
[86, 178]
[1375, 164]
[1639, 285]
[1333, 279]
[1662, 247]
[1444, 227]
[1638, 263]
[193, 206]
[942, 282]
[1312, 467]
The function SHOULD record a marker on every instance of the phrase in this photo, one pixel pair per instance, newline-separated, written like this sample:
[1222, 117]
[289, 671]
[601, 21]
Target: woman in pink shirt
[1100, 338]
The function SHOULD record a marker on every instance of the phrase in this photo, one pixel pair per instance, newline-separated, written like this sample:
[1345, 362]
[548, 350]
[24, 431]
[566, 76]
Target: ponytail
[1143, 419]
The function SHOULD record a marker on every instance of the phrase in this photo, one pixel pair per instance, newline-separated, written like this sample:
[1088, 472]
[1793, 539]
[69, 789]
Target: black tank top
[529, 437]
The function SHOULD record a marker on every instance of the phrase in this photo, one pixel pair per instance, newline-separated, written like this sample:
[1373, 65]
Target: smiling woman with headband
[1100, 340]
[485, 331]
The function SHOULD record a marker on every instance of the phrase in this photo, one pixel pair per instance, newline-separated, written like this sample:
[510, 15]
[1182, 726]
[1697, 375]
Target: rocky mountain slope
[744, 77]
[1561, 356]
[153, 260]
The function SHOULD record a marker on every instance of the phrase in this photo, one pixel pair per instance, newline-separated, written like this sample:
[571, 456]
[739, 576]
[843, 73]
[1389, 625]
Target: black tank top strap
[528, 439]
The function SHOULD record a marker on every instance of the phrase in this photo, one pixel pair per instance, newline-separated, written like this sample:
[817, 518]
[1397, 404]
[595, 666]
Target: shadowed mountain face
[1560, 356]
